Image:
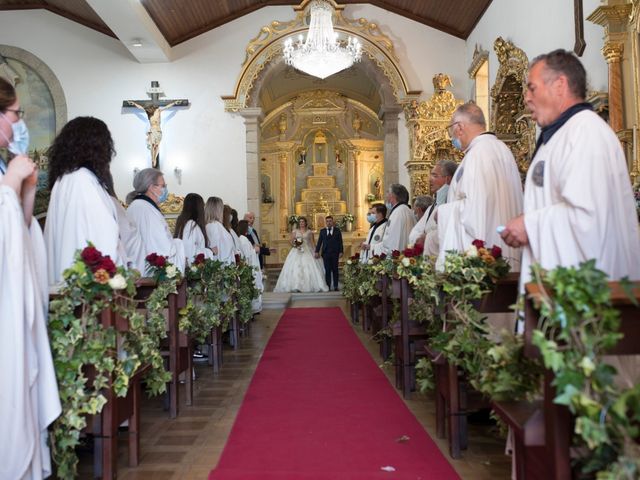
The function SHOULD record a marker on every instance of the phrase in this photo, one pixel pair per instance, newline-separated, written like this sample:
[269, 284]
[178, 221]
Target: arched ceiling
[283, 83]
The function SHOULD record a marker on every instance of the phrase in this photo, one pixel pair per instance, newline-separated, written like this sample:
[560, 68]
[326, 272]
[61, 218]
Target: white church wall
[539, 27]
[97, 73]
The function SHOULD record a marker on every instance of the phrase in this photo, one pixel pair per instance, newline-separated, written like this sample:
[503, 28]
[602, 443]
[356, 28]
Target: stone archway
[264, 54]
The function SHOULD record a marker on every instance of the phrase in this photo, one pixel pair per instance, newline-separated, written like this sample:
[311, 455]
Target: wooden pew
[558, 423]
[452, 390]
[179, 345]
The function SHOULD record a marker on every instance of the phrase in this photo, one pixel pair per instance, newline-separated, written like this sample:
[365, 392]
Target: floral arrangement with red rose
[159, 267]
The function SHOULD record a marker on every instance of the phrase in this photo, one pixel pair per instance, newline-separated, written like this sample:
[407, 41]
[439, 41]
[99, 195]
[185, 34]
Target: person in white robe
[230, 225]
[578, 202]
[251, 257]
[80, 209]
[220, 240]
[190, 227]
[440, 178]
[150, 190]
[421, 204]
[29, 399]
[485, 192]
[400, 220]
[130, 239]
[377, 217]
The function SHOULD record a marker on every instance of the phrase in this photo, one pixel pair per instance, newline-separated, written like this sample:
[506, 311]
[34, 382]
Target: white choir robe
[584, 208]
[130, 239]
[220, 238]
[193, 241]
[486, 192]
[431, 241]
[374, 240]
[80, 211]
[396, 234]
[29, 400]
[236, 241]
[419, 228]
[155, 234]
[251, 257]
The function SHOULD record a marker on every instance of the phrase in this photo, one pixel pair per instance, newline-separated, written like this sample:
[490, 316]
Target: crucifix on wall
[153, 108]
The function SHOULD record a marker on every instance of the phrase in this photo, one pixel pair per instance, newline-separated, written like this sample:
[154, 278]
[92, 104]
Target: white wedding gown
[302, 272]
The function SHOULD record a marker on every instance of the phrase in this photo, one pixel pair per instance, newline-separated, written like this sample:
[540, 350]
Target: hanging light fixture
[321, 54]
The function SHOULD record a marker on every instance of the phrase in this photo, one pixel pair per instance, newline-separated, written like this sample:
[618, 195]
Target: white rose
[171, 271]
[194, 269]
[406, 261]
[118, 282]
[472, 251]
[348, 262]
[370, 262]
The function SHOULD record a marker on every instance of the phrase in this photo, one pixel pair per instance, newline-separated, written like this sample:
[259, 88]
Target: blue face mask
[20, 143]
[250, 231]
[389, 206]
[371, 217]
[164, 195]
[456, 143]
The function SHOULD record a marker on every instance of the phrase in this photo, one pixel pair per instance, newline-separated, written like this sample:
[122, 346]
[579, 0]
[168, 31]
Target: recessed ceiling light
[136, 43]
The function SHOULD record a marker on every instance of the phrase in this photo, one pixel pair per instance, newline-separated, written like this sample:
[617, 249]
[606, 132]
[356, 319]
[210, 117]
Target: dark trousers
[331, 269]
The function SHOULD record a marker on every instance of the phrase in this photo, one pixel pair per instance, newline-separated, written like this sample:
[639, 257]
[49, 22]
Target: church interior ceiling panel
[428, 138]
[510, 118]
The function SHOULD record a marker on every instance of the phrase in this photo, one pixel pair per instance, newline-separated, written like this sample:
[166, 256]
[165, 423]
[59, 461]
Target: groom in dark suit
[330, 242]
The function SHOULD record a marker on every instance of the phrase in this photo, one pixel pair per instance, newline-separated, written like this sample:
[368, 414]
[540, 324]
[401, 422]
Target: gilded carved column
[358, 189]
[284, 192]
[612, 52]
[615, 19]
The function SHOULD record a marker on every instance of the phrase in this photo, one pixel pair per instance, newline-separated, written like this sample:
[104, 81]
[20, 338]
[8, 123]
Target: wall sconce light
[178, 173]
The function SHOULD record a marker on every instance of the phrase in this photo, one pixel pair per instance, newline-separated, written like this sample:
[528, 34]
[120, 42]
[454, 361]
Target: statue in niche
[357, 125]
[377, 186]
[282, 125]
[303, 156]
[266, 195]
[339, 161]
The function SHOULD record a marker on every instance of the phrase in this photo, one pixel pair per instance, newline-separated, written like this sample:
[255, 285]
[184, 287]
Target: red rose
[91, 256]
[237, 259]
[395, 254]
[161, 261]
[199, 259]
[478, 243]
[418, 249]
[108, 265]
[383, 256]
[151, 258]
[496, 251]
[357, 255]
[408, 252]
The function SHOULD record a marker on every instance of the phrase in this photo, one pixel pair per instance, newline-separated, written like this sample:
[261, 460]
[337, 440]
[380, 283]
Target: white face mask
[19, 145]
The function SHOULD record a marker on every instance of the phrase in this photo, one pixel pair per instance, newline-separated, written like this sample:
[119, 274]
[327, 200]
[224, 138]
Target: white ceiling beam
[131, 23]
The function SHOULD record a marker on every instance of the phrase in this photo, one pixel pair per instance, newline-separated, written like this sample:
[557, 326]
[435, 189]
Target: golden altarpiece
[320, 153]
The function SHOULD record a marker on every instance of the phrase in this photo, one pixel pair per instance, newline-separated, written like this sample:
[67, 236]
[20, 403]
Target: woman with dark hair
[231, 227]
[81, 209]
[251, 257]
[29, 402]
[149, 191]
[190, 227]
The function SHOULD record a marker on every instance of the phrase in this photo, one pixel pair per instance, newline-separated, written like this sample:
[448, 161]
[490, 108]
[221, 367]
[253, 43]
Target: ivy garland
[578, 325]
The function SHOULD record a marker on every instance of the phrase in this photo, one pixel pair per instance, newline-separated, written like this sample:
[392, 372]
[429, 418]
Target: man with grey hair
[400, 219]
[421, 204]
[485, 192]
[441, 176]
[254, 238]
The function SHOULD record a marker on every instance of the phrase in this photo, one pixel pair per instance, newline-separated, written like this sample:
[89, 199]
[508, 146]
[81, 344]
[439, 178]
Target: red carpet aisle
[319, 407]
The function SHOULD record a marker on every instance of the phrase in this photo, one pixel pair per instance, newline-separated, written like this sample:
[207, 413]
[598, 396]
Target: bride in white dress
[302, 272]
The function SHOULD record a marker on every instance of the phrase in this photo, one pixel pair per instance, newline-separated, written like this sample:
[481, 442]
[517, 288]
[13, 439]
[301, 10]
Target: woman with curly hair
[81, 209]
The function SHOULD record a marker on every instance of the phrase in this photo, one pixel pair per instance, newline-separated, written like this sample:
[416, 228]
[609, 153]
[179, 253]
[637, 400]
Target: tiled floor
[190, 446]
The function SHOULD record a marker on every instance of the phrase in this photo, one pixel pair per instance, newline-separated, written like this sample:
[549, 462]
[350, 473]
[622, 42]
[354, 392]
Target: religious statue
[339, 161]
[303, 156]
[154, 135]
[377, 185]
[153, 108]
[282, 126]
[356, 124]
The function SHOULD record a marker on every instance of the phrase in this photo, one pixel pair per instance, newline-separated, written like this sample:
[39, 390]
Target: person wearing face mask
[150, 189]
[485, 192]
[401, 220]
[81, 209]
[421, 204]
[439, 181]
[30, 401]
[377, 217]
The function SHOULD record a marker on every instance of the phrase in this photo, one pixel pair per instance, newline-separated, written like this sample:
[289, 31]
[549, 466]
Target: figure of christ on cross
[154, 108]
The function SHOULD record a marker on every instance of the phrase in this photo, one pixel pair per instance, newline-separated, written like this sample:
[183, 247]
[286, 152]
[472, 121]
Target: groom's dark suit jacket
[330, 244]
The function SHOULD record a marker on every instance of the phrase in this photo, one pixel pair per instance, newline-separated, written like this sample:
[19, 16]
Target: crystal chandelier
[321, 54]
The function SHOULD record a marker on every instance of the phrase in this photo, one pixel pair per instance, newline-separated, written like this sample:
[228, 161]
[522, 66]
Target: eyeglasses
[163, 185]
[450, 128]
[19, 112]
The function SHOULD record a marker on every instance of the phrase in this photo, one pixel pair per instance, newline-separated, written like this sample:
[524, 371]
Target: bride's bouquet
[297, 243]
